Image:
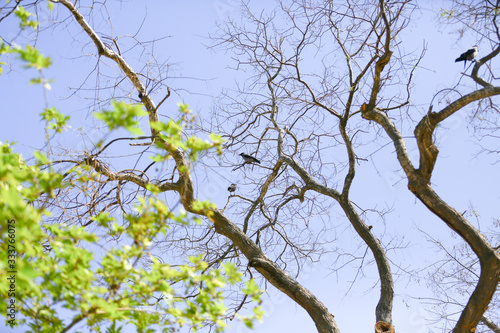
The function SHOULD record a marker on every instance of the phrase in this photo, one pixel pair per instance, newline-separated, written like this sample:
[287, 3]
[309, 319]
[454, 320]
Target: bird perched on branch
[249, 159]
[468, 55]
[232, 188]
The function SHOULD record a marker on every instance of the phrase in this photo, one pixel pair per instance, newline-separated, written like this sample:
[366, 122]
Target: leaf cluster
[65, 266]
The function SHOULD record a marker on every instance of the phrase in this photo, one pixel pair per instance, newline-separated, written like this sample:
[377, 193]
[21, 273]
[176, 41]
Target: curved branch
[425, 128]
[102, 169]
[373, 113]
[478, 65]
[276, 276]
[419, 184]
[383, 311]
[124, 66]
[184, 186]
[384, 59]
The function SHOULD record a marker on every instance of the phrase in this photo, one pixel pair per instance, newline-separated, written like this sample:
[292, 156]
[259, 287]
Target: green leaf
[32, 57]
[55, 120]
[41, 157]
[253, 290]
[232, 272]
[24, 16]
[103, 218]
[123, 115]
[105, 288]
[203, 205]
[183, 108]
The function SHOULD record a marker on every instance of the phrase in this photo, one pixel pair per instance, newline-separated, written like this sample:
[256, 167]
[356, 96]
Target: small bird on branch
[232, 188]
[249, 159]
[468, 55]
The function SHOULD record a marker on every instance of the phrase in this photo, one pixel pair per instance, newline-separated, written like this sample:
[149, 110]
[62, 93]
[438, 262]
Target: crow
[232, 188]
[468, 55]
[249, 159]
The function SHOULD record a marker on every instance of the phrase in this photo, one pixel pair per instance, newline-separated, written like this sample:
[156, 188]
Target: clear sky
[461, 177]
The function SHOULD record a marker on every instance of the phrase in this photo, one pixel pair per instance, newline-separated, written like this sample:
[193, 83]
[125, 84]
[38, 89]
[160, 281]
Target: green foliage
[123, 115]
[55, 263]
[3, 50]
[203, 206]
[57, 266]
[173, 133]
[28, 54]
[54, 119]
[252, 289]
[41, 80]
[32, 57]
[24, 16]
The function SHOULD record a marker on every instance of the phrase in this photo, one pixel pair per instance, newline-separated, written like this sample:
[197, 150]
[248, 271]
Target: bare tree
[184, 187]
[303, 104]
[419, 179]
[303, 118]
[328, 80]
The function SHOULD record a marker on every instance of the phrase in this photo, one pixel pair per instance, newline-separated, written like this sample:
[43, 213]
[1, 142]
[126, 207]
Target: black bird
[468, 55]
[249, 159]
[232, 188]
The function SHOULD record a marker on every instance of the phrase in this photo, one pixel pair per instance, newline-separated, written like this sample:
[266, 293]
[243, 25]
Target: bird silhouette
[232, 188]
[249, 159]
[468, 55]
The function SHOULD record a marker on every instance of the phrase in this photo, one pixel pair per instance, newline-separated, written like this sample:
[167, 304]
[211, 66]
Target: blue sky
[460, 177]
